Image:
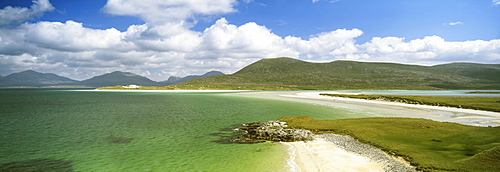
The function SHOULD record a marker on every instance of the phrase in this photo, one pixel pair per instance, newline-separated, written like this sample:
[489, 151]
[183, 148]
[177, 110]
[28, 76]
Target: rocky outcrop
[272, 131]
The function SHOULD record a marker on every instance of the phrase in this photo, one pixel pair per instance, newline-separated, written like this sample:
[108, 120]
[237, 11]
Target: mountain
[34, 79]
[119, 78]
[174, 80]
[288, 73]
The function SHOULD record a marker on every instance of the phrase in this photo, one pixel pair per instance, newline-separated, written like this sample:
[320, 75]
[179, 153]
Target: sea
[89, 130]
[141, 131]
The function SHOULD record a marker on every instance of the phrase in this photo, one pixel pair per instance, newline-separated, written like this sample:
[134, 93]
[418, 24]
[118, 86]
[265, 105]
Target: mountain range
[291, 74]
[32, 78]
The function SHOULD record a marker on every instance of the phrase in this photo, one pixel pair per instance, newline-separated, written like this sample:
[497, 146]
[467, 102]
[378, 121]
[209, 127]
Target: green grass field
[477, 103]
[426, 144]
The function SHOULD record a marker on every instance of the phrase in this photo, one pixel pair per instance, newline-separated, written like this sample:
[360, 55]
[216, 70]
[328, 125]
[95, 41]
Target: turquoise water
[142, 131]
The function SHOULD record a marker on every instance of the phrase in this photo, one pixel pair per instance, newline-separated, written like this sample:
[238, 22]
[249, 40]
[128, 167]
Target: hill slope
[174, 80]
[119, 78]
[288, 73]
[35, 79]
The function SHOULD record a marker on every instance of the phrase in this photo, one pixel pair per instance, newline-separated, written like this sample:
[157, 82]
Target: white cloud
[153, 11]
[336, 42]
[16, 15]
[70, 36]
[455, 23]
[429, 50]
[495, 2]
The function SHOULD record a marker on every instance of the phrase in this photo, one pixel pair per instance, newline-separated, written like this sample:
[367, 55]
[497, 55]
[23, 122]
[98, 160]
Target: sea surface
[142, 131]
[147, 130]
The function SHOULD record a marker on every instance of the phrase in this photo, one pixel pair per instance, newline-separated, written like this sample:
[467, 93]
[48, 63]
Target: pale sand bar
[375, 108]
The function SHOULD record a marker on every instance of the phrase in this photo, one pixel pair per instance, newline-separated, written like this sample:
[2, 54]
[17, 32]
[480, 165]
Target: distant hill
[288, 73]
[34, 79]
[174, 80]
[119, 78]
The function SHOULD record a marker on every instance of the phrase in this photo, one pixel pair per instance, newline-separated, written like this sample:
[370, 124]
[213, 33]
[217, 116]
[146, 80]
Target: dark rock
[37, 165]
[272, 131]
[119, 140]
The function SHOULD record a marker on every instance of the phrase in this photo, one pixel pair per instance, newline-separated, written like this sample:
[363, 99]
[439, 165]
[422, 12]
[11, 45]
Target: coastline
[331, 152]
[170, 91]
[376, 108]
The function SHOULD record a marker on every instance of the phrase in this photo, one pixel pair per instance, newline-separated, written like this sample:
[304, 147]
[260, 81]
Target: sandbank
[171, 91]
[376, 108]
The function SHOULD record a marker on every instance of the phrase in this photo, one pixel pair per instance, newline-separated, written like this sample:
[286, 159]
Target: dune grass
[426, 144]
[477, 103]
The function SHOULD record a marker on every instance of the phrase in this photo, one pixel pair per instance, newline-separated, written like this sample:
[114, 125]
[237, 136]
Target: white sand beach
[330, 152]
[375, 108]
[321, 155]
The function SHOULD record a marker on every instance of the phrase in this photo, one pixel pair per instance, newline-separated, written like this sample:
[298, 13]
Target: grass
[426, 144]
[483, 92]
[477, 103]
[292, 74]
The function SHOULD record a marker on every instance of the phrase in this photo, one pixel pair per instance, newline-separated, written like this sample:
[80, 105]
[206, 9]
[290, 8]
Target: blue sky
[157, 39]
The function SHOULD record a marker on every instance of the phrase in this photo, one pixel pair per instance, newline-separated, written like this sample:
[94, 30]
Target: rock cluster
[272, 131]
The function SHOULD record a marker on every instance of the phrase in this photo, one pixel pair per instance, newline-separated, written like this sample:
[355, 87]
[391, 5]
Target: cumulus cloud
[16, 15]
[166, 45]
[429, 50]
[336, 42]
[153, 11]
[495, 2]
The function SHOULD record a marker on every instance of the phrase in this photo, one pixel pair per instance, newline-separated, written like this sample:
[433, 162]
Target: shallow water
[142, 131]
[155, 131]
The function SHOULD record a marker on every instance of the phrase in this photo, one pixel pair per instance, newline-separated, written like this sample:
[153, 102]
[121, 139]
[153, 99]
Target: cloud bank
[166, 45]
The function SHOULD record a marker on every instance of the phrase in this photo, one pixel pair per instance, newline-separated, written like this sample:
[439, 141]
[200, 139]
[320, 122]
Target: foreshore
[331, 152]
[375, 108]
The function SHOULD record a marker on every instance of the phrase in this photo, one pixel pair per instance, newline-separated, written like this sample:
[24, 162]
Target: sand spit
[170, 91]
[437, 113]
[331, 152]
[376, 108]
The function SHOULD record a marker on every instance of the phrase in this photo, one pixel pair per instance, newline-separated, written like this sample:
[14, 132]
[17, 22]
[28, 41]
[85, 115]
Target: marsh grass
[426, 144]
[477, 103]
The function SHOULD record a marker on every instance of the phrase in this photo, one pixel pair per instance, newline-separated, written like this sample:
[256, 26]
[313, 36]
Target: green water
[166, 131]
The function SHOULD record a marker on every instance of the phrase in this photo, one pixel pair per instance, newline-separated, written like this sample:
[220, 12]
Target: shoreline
[376, 108]
[320, 154]
[171, 91]
[332, 152]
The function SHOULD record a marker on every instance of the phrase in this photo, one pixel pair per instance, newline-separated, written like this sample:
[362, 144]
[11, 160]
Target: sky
[80, 39]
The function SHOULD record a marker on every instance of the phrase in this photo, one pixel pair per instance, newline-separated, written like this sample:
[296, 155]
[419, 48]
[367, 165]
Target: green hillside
[291, 74]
